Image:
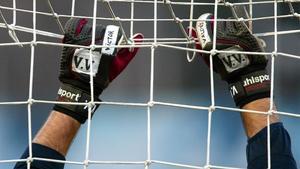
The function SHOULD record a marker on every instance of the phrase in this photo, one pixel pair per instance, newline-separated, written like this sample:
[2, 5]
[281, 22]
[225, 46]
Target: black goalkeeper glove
[75, 66]
[246, 75]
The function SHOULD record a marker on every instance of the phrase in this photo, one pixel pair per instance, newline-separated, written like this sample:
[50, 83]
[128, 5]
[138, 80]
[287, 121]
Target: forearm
[58, 132]
[254, 122]
[256, 129]
[55, 137]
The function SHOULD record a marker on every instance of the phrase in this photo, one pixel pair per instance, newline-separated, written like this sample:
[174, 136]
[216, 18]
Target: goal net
[31, 28]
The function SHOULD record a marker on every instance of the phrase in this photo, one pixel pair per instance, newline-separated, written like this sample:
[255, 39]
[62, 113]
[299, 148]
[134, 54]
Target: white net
[153, 41]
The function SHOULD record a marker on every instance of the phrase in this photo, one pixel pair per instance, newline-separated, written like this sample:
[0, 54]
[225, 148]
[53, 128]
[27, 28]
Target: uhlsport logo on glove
[256, 79]
[251, 83]
[81, 61]
[67, 94]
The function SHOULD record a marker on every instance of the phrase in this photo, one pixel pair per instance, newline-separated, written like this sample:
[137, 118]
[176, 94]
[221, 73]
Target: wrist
[70, 93]
[249, 87]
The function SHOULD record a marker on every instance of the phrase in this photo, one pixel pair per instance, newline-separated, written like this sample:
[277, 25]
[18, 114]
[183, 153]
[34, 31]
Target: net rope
[152, 43]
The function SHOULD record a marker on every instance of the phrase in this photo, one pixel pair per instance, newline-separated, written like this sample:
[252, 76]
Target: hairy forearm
[254, 122]
[58, 132]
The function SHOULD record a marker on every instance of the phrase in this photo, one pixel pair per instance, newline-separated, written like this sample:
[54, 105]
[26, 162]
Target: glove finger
[123, 57]
[87, 31]
[197, 44]
[84, 31]
[194, 36]
[74, 26]
[80, 29]
[204, 29]
[237, 28]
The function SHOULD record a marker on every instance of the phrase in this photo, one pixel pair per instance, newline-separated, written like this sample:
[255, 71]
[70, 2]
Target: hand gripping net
[242, 11]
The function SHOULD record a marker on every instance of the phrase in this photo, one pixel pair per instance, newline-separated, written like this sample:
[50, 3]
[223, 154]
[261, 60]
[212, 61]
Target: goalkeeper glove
[246, 74]
[75, 66]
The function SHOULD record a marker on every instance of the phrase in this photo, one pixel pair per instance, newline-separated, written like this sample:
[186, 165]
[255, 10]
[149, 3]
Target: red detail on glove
[212, 23]
[123, 57]
[197, 43]
[195, 37]
[80, 25]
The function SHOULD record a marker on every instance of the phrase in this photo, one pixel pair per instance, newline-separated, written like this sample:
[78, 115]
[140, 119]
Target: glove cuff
[69, 93]
[250, 87]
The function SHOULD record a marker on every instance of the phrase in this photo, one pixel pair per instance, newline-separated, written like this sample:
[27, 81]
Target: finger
[195, 37]
[75, 25]
[240, 12]
[87, 30]
[123, 58]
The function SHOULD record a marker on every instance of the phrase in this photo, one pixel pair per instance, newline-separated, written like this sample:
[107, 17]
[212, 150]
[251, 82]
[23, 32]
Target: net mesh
[183, 42]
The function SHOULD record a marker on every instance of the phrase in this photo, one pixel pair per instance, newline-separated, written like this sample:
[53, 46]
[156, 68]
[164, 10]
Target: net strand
[188, 57]
[179, 22]
[92, 102]
[212, 87]
[151, 43]
[271, 109]
[176, 19]
[30, 95]
[292, 10]
[131, 17]
[116, 19]
[14, 13]
[11, 31]
[199, 3]
[294, 14]
[73, 8]
[151, 90]
[56, 17]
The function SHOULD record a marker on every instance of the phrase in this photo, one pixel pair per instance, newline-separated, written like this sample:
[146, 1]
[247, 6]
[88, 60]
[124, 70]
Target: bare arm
[253, 122]
[58, 132]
